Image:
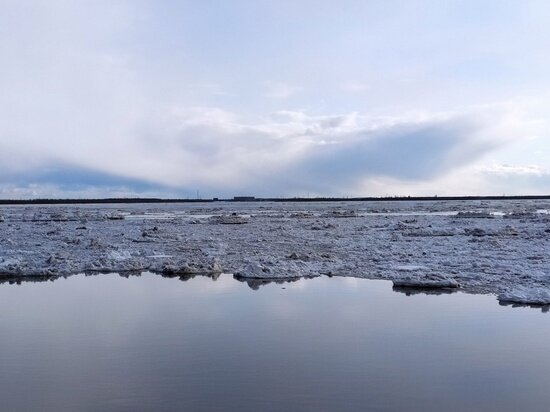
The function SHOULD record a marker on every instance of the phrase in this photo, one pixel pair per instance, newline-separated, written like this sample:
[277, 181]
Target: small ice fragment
[410, 268]
[233, 219]
[476, 215]
[426, 281]
[120, 255]
[527, 295]
[114, 216]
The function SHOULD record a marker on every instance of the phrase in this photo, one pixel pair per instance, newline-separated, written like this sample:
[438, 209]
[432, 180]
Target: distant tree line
[257, 199]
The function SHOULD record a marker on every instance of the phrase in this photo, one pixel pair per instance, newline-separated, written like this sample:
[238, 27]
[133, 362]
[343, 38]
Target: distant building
[244, 198]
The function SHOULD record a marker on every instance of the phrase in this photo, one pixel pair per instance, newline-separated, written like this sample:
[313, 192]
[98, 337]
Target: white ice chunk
[526, 294]
[426, 281]
[120, 254]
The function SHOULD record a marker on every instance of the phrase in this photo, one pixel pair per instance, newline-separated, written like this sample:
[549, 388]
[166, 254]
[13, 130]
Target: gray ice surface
[499, 247]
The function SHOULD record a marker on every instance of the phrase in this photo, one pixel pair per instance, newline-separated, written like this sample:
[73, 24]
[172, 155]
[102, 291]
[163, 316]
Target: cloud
[356, 87]
[279, 90]
[499, 178]
[506, 170]
[292, 152]
[287, 153]
[81, 111]
[71, 178]
[340, 152]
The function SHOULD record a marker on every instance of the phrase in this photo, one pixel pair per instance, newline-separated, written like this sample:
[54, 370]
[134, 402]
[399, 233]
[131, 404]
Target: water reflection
[148, 342]
[188, 276]
[253, 283]
[18, 280]
[543, 308]
[411, 291]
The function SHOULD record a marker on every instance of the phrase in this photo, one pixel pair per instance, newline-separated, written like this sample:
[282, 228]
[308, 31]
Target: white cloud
[287, 153]
[279, 90]
[84, 91]
[356, 87]
[504, 170]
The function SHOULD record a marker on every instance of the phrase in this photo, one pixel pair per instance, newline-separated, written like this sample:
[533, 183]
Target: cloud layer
[288, 153]
[131, 98]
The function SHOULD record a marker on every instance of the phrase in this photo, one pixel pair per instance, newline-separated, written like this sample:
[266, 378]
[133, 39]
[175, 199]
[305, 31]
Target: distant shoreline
[278, 199]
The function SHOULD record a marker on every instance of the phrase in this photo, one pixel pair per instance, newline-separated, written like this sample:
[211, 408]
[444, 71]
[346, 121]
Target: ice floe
[527, 295]
[416, 244]
[426, 281]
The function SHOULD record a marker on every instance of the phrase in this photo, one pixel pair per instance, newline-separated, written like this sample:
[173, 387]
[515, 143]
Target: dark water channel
[148, 343]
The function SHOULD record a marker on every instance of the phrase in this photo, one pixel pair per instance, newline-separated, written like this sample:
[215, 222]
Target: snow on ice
[499, 247]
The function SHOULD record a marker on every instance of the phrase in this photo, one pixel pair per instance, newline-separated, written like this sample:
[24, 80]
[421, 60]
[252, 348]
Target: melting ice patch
[426, 281]
[527, 295]
[290, 240]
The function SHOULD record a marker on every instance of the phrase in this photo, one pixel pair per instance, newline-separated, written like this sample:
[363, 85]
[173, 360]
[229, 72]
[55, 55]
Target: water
[327, 344]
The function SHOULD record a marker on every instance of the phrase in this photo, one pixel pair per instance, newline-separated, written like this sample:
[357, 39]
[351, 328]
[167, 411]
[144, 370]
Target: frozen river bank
[499, 247]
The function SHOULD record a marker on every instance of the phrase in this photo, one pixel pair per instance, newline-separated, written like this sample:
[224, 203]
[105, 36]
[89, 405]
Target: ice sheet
[483, 246]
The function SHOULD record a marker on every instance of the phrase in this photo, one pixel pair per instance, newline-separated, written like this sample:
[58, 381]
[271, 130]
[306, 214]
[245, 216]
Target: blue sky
[164, 98]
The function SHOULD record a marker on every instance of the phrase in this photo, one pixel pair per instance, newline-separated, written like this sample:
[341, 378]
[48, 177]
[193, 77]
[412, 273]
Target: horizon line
[110, 200]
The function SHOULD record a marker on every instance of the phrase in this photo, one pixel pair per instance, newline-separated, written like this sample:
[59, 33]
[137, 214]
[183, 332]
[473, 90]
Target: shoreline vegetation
[258, 199]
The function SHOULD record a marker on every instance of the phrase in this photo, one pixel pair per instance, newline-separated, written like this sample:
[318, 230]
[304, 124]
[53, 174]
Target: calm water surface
[148, 343]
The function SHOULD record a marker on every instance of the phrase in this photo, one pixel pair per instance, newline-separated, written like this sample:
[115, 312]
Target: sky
[274, 98]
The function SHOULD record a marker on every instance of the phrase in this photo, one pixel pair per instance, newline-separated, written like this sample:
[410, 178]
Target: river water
[109, 343]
